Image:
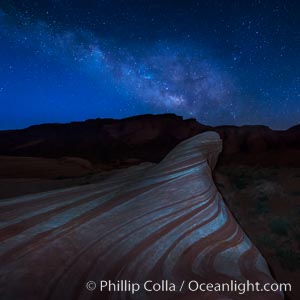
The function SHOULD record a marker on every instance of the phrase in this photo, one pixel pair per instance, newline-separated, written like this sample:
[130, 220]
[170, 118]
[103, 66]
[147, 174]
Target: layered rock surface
[163, 221]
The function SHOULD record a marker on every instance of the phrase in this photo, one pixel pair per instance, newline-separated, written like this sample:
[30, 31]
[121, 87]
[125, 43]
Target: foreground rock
[152, 222]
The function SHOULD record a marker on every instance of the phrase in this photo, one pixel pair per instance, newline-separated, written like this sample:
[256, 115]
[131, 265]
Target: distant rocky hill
[149, 138]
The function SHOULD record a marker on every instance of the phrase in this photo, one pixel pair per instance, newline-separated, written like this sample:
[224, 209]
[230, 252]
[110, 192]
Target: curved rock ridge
[150, 222]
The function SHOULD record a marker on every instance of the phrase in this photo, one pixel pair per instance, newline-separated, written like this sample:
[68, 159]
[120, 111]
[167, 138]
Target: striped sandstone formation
[157, 222]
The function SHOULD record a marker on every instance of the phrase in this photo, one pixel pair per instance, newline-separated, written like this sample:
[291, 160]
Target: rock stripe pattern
[156, 222]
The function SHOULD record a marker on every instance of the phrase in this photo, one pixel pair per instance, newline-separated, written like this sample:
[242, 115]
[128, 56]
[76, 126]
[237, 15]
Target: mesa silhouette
[149, 138]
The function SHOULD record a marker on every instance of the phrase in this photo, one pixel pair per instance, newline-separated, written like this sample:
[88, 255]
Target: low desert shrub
[289, 259]
[279, 226]
[261, 206]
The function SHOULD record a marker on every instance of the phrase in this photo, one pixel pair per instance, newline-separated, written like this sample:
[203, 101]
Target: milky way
[169, 77]
[181, 81]
[142, 71]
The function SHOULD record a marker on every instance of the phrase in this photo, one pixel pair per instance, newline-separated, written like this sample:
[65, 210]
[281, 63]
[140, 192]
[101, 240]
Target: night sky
[221, 62]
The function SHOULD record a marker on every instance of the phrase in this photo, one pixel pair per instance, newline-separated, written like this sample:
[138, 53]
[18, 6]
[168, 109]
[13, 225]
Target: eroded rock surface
[150, 222]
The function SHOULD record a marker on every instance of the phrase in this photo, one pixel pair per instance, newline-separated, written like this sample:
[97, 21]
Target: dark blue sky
[222, 62]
